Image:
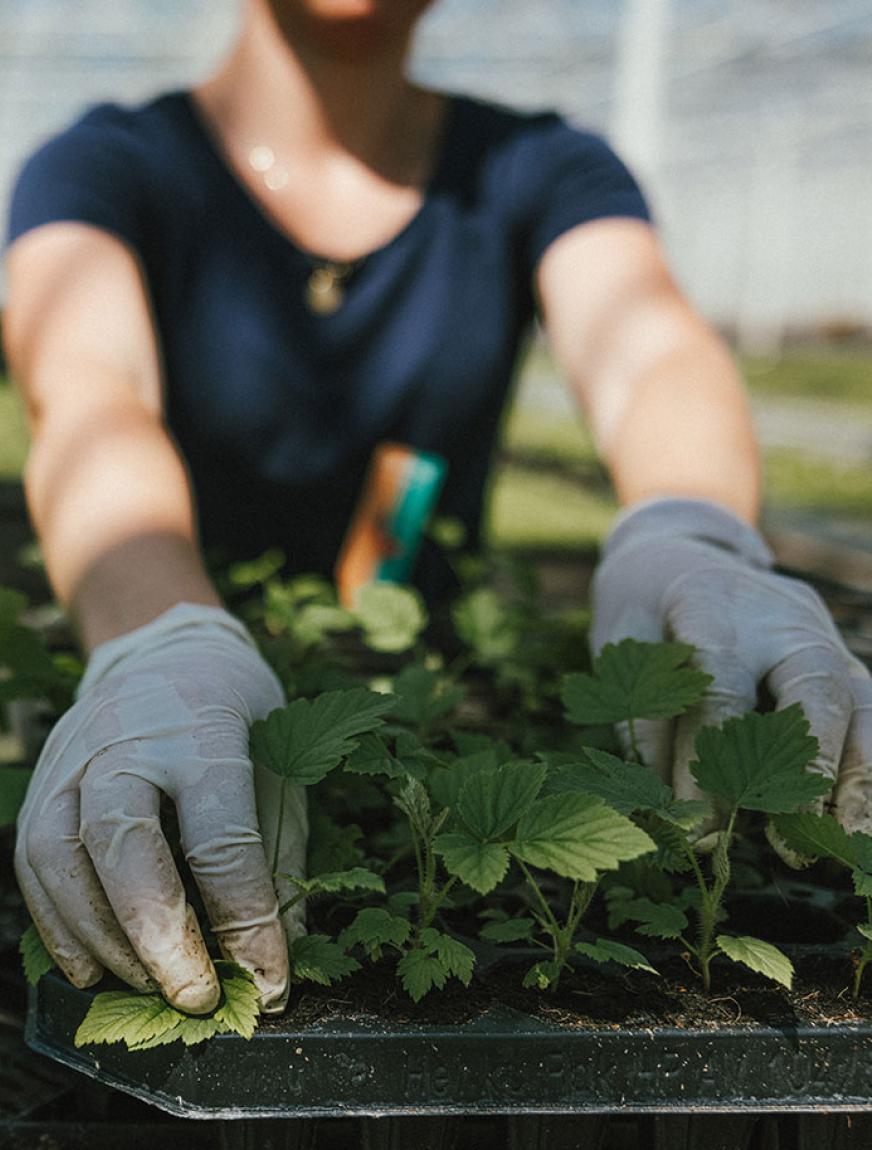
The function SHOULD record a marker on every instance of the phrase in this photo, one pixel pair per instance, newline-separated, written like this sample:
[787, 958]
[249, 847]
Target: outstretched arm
[106, 488]
[671, 420]
[664, 399]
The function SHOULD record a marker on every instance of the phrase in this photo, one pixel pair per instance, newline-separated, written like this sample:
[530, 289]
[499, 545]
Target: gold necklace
[325, 287]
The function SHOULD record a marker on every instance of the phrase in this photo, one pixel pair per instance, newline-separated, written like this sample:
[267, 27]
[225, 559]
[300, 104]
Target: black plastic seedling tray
[502, 1062]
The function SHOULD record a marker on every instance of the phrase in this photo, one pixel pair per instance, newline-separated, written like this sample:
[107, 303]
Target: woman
[164, 326]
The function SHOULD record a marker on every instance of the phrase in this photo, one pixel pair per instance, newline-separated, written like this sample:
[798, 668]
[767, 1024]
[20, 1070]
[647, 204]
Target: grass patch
[530, 508]
[809, 483]
[844, 375]
[13, 432]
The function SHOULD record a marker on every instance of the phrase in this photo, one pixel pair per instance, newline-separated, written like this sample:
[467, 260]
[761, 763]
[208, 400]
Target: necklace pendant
[325, 290]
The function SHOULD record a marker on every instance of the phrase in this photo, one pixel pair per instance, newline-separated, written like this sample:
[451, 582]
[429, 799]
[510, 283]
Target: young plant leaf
[316, 958]
[577, 836]
[492, 801]
[35, 958]
[634, 680]
[333, 882]
[308, 738]
[446, 782]
[541, 975]
[759, 762]
[605, 950]
[454, 955]
[655, 919]
[240, 1000]
[419, 972]
[628, 787]
[236, 1013]
[414, 802]
[481, 866]
[373, 927]
[373, 757]
[865, 928]
[817, 836]
[392, 617]
[124, 1016]
[758, 955]
[512, 930]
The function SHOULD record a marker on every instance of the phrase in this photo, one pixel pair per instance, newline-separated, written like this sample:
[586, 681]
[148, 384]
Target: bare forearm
[684, 428]
[111, 505]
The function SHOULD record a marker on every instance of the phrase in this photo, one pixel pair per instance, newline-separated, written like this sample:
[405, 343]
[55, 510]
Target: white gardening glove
[165, 708]
[692, 571]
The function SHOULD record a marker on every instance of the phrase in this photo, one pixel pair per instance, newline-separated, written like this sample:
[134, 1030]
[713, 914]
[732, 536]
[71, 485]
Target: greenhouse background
[749, 121]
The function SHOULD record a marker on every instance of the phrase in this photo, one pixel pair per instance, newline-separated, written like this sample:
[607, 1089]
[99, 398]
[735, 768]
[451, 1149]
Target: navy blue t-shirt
[275, 409]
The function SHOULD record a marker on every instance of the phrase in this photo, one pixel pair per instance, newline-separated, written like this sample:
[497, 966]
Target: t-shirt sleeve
[90, 173]
[572, 176]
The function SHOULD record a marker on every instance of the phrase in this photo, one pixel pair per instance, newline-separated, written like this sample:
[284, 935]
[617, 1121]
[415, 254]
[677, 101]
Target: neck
[303, 91]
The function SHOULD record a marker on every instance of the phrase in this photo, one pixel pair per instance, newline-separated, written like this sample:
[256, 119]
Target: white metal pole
[638, 122]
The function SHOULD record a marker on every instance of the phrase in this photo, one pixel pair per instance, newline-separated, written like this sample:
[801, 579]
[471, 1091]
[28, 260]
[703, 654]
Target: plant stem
[553, 925]
[710, 901]
[438, 900]
[865, 955]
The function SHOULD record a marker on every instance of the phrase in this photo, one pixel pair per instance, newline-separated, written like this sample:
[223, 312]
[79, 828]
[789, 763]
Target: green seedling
[754, 763]
[143, 1021]
[821, 836]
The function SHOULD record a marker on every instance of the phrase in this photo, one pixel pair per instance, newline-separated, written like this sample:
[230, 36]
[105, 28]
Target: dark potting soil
[589, 999]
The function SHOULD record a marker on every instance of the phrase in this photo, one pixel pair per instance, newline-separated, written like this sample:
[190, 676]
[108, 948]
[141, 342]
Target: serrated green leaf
[35, 958]
[653, 919]
[414, 802]
[13, 785]
[491, 801]
[392, 617]
[480, 865]
[605, 950]
[454, 955]
[446, 782]
[373, 757]
[634, 680]
[626, 787]
[758, 955]
[817, 836]
[486, 624]
[240, 1001]
[419, 972]
[862, 883]
[671, 840]
[317, 958]
[124, 1016]
[541, 975]
[374, 927]
[143, 1021]
[577, 836]
[422, 696]
[865, 928]
[308, 738]
[358, 878]
[512, 930]
[759, 762]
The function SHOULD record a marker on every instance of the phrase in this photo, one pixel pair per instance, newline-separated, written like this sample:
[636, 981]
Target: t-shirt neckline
[214, 149]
